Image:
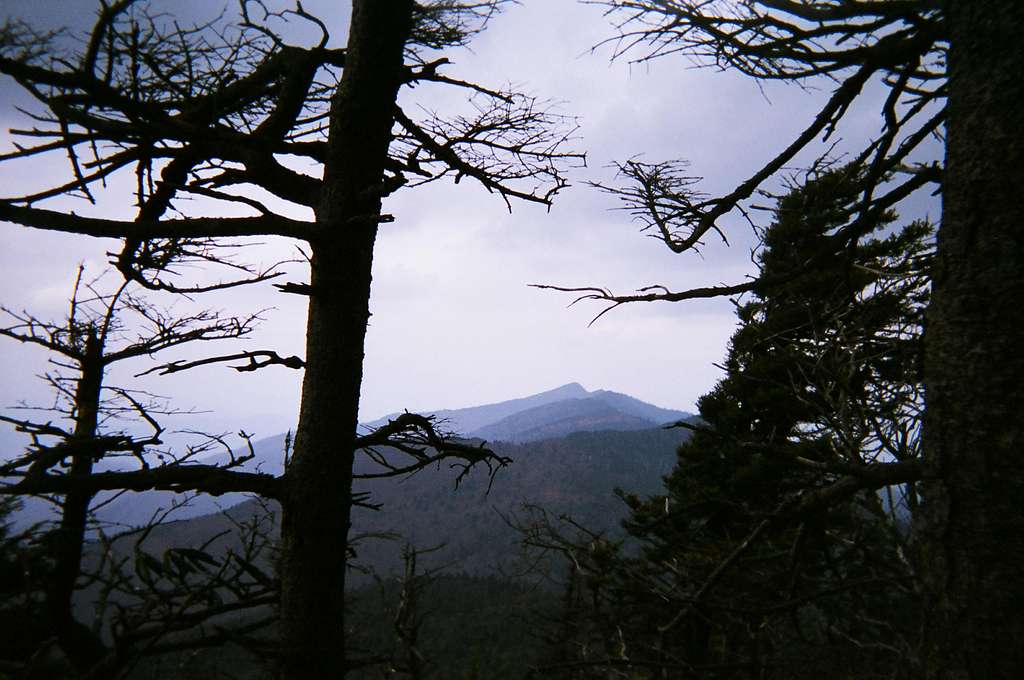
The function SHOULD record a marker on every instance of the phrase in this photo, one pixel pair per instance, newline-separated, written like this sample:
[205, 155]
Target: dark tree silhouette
[946, 66]
[973, 548]
[90, 423]
[202, 113]
[770, 552]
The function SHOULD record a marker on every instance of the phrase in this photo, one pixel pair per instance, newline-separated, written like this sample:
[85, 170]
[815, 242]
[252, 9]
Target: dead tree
[194, 112]
[91, 422]
[187, 598]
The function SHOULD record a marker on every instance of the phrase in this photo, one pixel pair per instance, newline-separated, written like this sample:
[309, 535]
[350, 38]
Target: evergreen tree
[750, 561]
[949, 70]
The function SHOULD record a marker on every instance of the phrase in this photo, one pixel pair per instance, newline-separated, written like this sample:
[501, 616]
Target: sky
[455, 322]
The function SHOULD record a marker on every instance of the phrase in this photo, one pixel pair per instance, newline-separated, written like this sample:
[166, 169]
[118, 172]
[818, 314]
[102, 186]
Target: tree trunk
[973, 542]
[69, 538]
[318, 495]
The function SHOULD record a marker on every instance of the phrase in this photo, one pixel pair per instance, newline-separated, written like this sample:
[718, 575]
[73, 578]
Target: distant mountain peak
[577, 410]
[569, 391]
[555, 412]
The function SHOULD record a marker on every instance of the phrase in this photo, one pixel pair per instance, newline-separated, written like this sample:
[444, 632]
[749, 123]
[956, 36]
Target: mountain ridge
[511, 420]
[467, 419]
[573, 475]
[551, 414]
[594, 411]
[560, 419]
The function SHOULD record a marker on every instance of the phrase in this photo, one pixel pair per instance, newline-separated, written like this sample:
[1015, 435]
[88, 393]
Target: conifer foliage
[771, 551]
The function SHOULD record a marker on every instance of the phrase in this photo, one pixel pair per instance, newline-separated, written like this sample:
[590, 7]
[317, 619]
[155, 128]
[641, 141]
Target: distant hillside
[640, 409]
[552, 414]
[575, 474]
[572, 475]
[558, 420]
[599, 410]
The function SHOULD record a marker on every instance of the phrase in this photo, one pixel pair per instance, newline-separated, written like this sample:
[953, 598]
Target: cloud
[454, 323]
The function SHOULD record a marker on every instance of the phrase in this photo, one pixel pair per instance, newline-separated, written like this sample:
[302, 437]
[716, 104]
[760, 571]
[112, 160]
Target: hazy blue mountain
[594, 411]
[640, 409]
[551, 414]
[466, 420]
[560, 419]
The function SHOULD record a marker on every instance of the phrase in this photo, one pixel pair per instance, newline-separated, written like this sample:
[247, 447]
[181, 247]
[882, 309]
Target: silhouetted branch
[419, 444]
[900, 43]
[51, 220]
[211, 479]
[257, 359]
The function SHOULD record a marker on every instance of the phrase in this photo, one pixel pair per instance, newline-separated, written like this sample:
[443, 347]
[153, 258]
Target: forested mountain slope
[574, 474]
[551, 414]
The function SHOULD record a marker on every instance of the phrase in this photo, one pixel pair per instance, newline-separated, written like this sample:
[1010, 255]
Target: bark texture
[973, 547]
[318, 483]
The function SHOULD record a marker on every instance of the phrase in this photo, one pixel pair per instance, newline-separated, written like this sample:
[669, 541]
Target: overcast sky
[454, 323]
